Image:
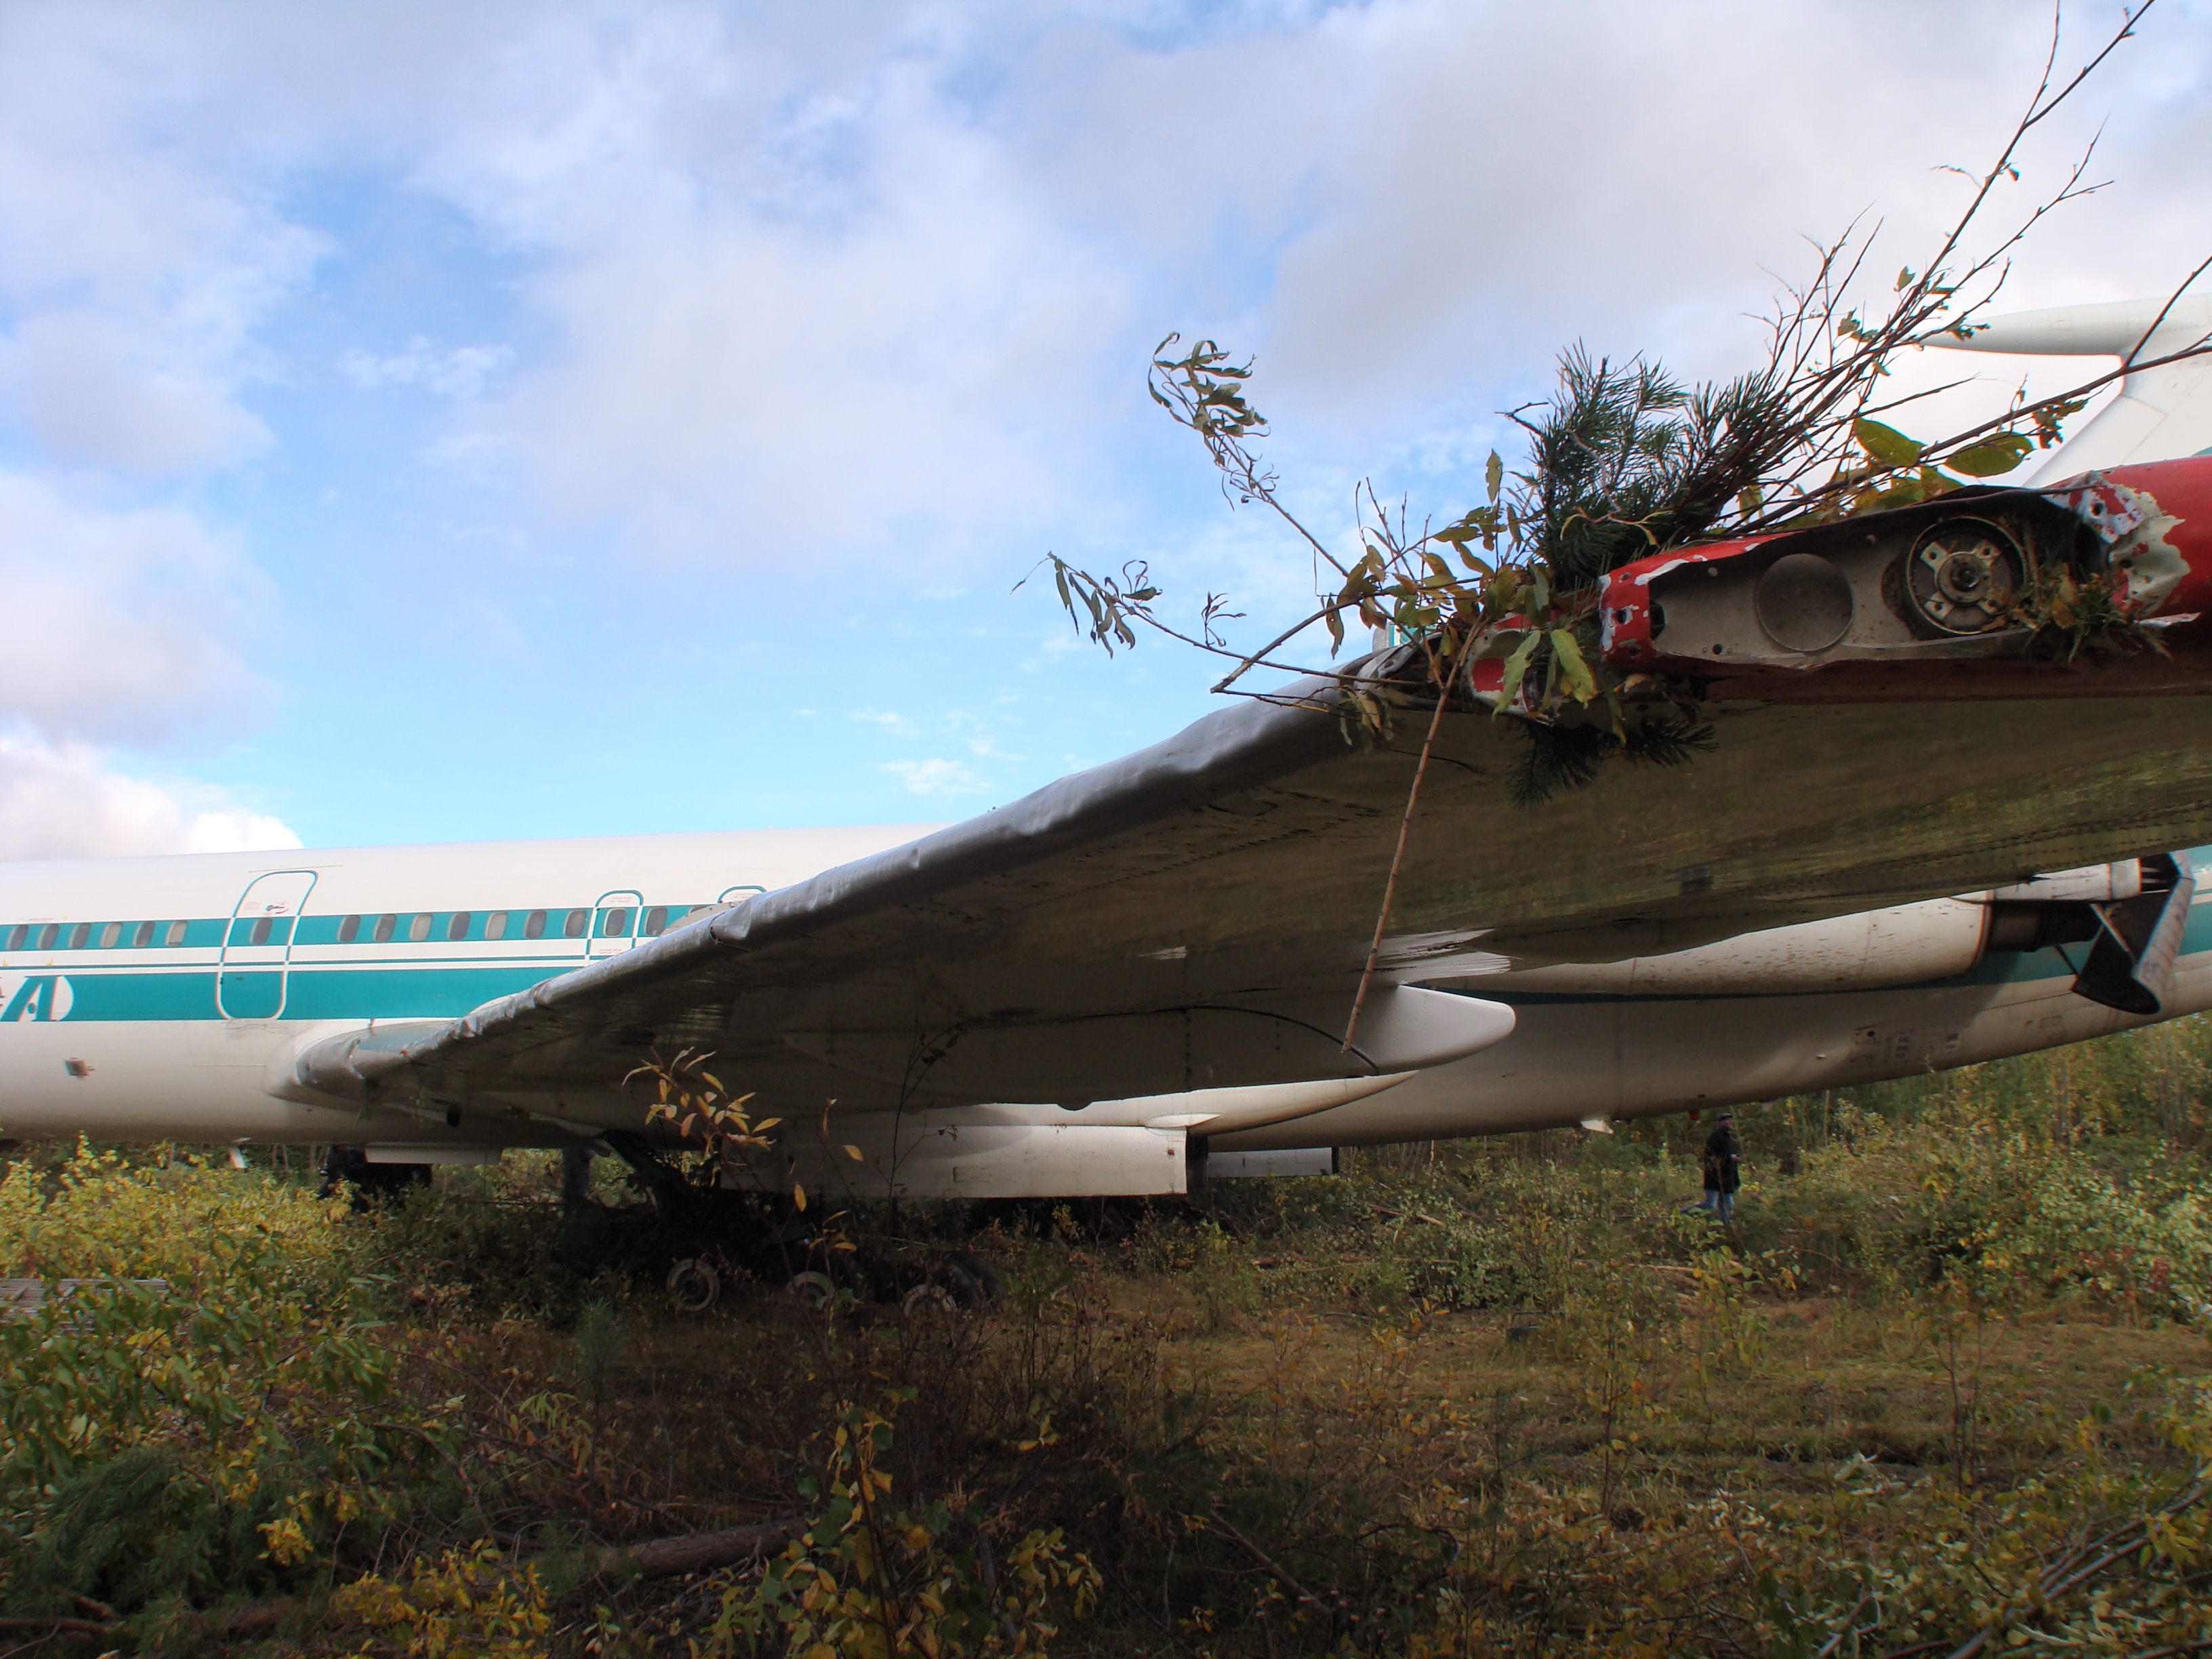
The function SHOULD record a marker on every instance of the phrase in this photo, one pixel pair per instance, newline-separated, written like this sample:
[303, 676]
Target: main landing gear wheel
[816, 1290]
[962, 1282]
[934, 1295]
[990, 1295]
[694, 1285]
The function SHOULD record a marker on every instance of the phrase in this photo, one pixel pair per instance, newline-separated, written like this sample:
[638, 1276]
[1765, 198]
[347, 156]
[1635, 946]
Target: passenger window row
[611, 923]
[88, 935]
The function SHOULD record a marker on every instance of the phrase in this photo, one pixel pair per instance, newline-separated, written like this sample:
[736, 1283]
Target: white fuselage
[144, 999]
[154, 998]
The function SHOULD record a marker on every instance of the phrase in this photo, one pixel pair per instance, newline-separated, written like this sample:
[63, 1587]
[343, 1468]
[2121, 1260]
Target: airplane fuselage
[157, 998]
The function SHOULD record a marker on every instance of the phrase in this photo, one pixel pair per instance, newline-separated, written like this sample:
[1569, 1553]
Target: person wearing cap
[1723, 1171]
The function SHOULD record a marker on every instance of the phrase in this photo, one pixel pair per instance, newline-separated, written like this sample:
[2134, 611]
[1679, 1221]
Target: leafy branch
[1497, 606]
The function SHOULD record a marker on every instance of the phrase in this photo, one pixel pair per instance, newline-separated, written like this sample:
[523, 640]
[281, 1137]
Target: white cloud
[90, 393]
[137, 258]
[1443, 194]
[981, 740]
[741, 388]
[821, 301]
[449, 371]
[123, 620]
[897, 725]
[935, 777]
[67, 801]
[819, 288]
[807, 292]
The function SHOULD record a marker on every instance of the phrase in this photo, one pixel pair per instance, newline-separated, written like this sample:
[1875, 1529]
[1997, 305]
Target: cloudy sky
[427, 421]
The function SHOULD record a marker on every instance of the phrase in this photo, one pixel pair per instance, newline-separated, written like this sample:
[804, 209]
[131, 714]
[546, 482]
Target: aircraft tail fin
[2160, 413]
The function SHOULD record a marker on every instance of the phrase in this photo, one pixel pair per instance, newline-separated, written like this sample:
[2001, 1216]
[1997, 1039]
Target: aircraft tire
[990, 1294]
[694, 1285]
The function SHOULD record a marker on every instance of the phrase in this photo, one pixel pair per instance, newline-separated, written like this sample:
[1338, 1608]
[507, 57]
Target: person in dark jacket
[1723, 1171]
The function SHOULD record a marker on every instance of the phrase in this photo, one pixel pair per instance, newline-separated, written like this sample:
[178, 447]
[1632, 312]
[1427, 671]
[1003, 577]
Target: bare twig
[1397, 862]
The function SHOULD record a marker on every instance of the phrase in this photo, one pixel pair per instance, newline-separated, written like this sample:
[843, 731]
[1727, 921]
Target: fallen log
[696, 1551]
[59, 1624]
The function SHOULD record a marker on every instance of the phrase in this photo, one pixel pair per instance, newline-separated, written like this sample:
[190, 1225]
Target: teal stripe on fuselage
[184, 995]
[408, 992]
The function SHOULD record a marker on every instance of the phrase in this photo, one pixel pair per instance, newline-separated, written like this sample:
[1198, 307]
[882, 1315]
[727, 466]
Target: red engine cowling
[1932, 587]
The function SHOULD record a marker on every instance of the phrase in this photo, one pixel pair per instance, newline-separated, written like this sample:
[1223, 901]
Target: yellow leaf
[1568, 653]
[798, 1196]
[854, 1153]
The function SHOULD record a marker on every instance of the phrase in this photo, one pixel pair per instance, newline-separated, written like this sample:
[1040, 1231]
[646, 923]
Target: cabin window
[385, 925]
[258, 933]
[80, 936]
[459, 926]
[419, 928]
[110, 936]
[614, 923]
[576, 922]
[495, 924]
[141, 936]
[656, 922]
[19, 935]
[176, 934]
[349, 930]
[48, 934]
[534, 927]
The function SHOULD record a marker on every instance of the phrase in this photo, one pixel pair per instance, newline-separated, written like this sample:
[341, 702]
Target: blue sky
[430, 422]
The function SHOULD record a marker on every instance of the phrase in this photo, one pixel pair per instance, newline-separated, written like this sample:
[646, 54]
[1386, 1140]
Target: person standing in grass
[1723, 1171]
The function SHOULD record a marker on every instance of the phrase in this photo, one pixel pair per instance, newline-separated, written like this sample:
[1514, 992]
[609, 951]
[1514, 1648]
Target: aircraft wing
[1197, 913]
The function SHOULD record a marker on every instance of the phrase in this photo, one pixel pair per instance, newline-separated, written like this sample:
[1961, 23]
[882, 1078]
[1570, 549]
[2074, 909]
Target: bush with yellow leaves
[100, 1214]
[868, 1581]
[470, 1604]
[207, 1417]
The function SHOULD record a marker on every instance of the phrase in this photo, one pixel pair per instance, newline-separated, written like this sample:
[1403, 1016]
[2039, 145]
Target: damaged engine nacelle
[1903, 944]
[1963, 575]
[2130, 916]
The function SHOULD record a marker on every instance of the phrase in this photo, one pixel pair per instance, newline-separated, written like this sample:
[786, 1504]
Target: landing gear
[347, 1169]
[575, 1177]
[701, 1234]
[694, 1285]
[954, 1283]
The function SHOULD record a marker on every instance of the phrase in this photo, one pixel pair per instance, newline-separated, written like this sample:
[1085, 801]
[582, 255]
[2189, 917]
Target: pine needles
[1559, 757]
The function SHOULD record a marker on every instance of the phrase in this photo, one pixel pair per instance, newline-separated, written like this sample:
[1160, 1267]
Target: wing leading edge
[1195, 915]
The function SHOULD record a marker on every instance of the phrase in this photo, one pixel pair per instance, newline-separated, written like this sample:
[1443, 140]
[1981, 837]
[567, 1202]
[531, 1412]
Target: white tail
[2159, 415]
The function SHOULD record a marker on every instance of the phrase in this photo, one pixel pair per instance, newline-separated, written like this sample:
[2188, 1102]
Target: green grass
[1483, 1397]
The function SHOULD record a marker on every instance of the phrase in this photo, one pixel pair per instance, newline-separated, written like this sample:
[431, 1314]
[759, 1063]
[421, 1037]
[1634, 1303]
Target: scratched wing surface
[1239, 865]
[1197, 914]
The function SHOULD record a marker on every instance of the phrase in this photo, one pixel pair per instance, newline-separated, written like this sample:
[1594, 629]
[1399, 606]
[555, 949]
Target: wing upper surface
[1238, 865]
